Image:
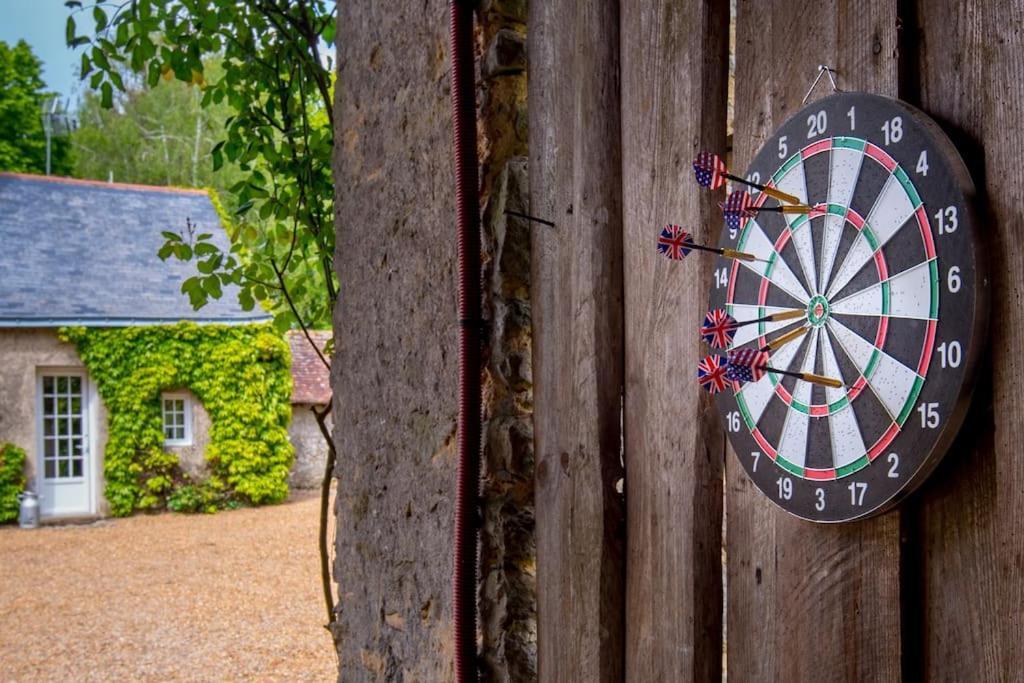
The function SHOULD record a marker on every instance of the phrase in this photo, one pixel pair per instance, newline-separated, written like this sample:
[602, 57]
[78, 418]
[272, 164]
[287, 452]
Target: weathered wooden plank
[805, 601]
[674, 69]
[968, 516]
[575, 179]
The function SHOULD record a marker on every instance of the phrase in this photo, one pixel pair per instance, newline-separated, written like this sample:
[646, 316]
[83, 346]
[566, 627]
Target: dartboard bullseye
[882, 262]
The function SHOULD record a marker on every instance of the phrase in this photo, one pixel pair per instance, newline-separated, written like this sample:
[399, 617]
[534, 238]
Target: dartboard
[884, 266]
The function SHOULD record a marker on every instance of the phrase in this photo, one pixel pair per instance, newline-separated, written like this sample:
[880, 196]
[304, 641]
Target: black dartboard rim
[821, 143]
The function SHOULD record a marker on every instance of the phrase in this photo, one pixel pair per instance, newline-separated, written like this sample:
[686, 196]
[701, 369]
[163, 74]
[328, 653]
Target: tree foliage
[22, 92]
[154, 136]
[277, 85]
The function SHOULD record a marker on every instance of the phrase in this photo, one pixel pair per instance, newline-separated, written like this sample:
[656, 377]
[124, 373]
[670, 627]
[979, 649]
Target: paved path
[231, 596]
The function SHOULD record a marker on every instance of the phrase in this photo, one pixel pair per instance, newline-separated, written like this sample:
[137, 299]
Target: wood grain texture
[575, 180]
[804, 601]
[674, 69]
[969, 557]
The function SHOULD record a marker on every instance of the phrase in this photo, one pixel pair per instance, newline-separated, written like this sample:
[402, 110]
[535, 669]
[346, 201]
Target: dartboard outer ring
[825, 482]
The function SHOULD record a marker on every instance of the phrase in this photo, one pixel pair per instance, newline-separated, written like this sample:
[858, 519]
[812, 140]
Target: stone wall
[310, 448]
[394, 369]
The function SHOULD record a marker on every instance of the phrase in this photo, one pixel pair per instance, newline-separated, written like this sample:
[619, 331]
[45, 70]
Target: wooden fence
[623, 93]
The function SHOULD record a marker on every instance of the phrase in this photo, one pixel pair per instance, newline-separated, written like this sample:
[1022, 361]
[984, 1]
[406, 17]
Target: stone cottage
[83, 254]
[311, 390]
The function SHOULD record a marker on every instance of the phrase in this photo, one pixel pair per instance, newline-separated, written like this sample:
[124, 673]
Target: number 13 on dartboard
[887, 270]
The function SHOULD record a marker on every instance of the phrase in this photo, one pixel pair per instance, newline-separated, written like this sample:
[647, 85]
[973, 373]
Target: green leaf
[73, 4]
[100, 17]
[172, 236]
[245, 300]
[165, 251]
[69, 31]
[107, 95]
[100, 58]
[211, 285]
[86, 66]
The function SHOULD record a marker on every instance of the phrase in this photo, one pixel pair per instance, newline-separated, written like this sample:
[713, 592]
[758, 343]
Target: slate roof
[76, 252]
[311, 381]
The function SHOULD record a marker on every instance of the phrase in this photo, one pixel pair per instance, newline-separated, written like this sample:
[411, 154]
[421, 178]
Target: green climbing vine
[12, 480]
[239, 373]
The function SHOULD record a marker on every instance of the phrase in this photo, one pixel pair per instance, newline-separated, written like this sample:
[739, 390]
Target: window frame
[186, 407]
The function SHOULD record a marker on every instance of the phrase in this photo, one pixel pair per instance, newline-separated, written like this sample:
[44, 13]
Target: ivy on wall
[12, 480]
[241, 375]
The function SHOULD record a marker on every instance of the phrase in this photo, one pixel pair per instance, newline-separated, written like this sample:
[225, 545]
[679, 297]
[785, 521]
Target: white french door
[65, 461]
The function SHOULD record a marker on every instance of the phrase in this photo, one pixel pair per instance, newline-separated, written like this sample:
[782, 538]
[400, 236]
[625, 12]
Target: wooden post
[674, 77]
[967, 563]
[576, 181]
[805, 601]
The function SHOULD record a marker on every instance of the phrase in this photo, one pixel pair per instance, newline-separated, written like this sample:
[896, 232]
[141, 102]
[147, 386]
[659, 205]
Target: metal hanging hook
[822, 70]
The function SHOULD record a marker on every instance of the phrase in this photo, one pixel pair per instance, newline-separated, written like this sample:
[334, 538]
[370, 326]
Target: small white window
[177, 414]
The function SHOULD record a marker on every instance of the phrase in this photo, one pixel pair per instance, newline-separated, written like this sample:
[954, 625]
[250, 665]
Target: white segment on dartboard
[892, 381]
[795, 183]
[844, 170]
[793, 442]
[758, 395]
[844, 432]
[749, 333]
[758, 244]
[890, 212]
[910, 296]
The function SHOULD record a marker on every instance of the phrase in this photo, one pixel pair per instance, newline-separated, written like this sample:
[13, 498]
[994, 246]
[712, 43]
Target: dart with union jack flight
[739, 205]
[714, 372]
[711, 173]
[719, 328]
[676, 244]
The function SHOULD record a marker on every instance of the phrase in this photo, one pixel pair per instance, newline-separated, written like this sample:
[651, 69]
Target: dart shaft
[786, 208]
[809, 377]
[785, 338]
[770, 191]
[727, 253]
[776, 317]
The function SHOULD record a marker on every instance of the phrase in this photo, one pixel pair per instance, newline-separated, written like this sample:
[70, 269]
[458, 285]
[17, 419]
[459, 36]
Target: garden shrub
[12, 480]
[240, 373]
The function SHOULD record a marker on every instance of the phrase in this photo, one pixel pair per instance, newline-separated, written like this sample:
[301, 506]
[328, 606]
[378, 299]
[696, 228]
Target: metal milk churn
[28, 512]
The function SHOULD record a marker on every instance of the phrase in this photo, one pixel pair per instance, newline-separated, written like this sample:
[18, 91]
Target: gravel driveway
[231, 596]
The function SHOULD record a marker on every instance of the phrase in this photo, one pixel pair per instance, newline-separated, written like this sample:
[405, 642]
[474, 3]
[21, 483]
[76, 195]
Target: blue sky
[41, 24]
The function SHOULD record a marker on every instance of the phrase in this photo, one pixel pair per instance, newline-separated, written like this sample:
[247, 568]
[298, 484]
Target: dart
[719, 327]
[675, 243]
[710, 171]
[774, 344]
[748, 365]
[739, 205]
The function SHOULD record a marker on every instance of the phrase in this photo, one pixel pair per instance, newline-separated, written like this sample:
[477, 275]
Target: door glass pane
[76, 405]
[48, 385]
[49, 449]
[76, 385]
[48, 406]
[62, 406]
[47, 427]
[76, 467]
[76, 426]
[51, 469]
[63, 448]
[62, 468]
[62, 385]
